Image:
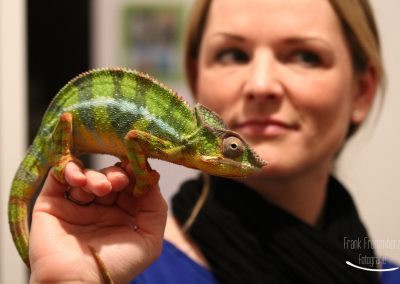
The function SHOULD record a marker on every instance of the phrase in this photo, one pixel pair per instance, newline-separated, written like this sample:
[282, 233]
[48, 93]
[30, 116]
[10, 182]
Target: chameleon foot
[151, 180]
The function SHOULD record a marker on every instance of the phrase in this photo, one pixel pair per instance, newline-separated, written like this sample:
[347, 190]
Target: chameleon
[132, 116]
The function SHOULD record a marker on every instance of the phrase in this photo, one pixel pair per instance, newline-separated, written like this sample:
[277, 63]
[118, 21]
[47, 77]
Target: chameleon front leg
[139, 144]
[61, 146]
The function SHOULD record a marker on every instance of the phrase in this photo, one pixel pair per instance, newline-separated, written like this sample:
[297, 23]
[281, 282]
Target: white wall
[13, 129]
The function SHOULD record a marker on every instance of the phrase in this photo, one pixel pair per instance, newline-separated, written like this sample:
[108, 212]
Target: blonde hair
[356, 18]
[359, 27]
[194, 33]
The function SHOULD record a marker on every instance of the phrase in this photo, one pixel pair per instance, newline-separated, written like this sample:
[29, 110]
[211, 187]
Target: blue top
[390, 277]
[174, 266]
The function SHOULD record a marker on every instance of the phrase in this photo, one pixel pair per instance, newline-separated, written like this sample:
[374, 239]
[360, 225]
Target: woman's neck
[302, 196]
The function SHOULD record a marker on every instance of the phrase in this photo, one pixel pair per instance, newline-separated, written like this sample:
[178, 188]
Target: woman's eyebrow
[290, 40]
[308, 40]
[228, 35]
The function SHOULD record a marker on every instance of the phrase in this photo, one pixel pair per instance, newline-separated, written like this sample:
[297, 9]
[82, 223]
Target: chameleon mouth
[228, 167]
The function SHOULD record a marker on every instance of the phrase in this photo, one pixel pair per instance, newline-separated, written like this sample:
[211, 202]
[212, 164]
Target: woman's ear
[365, 89]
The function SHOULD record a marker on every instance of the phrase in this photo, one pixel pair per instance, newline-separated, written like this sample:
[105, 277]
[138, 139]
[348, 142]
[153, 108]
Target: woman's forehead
[265, 16]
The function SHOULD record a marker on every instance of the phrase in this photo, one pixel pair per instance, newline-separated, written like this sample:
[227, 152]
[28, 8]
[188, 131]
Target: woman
[296, 79]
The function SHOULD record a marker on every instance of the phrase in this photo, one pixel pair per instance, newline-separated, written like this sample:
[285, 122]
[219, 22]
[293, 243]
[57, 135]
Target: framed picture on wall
[152, 39]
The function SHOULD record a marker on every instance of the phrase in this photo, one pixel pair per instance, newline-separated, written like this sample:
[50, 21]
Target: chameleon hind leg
[61, 146]
[139, 144]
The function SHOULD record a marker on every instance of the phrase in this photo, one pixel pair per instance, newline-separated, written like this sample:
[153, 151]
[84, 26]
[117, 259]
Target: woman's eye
[232, 56]
[307, 58]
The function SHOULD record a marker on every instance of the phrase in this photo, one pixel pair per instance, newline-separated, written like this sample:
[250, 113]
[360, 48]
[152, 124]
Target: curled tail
[28, 178]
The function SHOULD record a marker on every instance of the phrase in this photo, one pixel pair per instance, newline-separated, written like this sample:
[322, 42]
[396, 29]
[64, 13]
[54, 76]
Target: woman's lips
[264, 127]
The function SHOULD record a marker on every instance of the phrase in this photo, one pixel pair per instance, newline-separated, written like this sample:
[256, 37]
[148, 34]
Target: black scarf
[248, 240]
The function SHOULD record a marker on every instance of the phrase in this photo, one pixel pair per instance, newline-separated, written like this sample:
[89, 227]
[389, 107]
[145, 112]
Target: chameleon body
[133, 117]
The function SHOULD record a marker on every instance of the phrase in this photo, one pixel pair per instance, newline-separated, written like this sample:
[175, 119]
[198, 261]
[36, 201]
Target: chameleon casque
[132, 116]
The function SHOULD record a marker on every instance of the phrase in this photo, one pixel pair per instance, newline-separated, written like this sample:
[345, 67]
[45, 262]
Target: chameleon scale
[132, 116]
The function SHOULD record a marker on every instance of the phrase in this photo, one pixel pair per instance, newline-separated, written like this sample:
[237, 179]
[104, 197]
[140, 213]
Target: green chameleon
[133, 117]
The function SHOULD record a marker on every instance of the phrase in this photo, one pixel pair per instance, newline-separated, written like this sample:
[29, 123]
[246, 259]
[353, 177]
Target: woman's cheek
[219, 100]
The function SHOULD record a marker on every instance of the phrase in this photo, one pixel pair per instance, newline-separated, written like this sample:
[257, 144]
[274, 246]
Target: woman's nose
[262, 80]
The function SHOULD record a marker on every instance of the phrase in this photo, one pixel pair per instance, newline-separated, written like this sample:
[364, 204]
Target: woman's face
[279, 72]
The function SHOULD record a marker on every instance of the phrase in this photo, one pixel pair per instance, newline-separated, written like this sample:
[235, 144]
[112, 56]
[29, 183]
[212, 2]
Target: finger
[74, 175]
[52, 187]
[118, 178]
[51, 193]
[96, 183]
[107, 200]
[151, 202]
[79, 196]
[152, 213]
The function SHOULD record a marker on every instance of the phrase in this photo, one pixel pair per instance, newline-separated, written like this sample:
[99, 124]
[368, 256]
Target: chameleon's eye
[232, 147]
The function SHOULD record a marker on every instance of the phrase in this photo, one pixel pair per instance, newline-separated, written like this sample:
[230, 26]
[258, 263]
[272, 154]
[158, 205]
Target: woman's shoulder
[181, 240]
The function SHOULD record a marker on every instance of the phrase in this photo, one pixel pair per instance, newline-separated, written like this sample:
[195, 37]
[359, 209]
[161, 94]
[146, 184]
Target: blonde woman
[296, 79]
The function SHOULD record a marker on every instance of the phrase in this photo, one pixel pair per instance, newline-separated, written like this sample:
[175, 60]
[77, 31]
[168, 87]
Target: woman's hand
[125, 232]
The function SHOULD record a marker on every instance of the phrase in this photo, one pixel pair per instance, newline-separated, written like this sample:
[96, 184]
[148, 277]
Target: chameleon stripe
[87, 115]
[16, 202]
[26, 177]
[125, 90]
[128, 86]
[117, 78]
[19, 241]
[84, 139]
[131, 108]
[142, 86]
[103, 87]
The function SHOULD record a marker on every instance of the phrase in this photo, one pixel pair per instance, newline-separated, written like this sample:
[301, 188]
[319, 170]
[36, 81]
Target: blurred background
[44, 44]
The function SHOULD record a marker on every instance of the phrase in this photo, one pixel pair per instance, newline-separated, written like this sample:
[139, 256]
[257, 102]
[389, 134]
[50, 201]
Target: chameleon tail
[28, 178]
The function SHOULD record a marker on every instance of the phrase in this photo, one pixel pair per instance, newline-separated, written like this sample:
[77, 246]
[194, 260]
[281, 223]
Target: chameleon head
[221, 151]
[233, 157]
